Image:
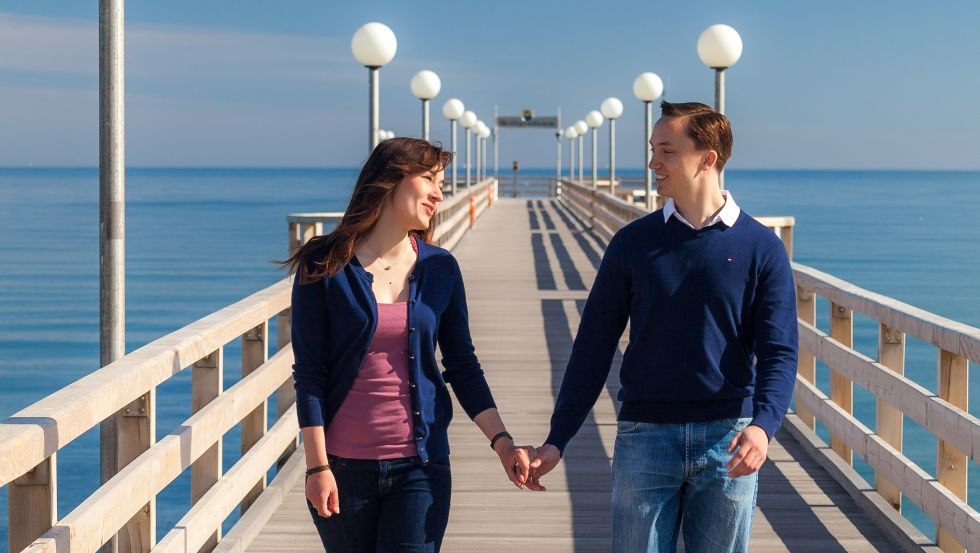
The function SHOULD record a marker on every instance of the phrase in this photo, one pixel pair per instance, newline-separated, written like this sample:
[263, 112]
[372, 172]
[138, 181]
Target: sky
[832, 84]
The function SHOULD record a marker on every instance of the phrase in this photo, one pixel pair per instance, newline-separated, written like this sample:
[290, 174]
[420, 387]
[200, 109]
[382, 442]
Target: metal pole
[612, 156]
[647, 124]
[720, 107]
[425, 119]
[595, 168]
[484, 163]
[476, 174]
[558, 147]
[374, 110]
[571, 159]
[720, 90]
[581, 158]
[452, 124]
[496, 156]
[468, 158]
[112, 214]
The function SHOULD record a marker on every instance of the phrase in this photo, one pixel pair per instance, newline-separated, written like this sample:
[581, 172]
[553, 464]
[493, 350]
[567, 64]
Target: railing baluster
[954, 385]
[286, 394]
[32, 504]
[207, 376]
[255, 351]
[889, 420]
[806, 309]
[841, 388]
[137, 432]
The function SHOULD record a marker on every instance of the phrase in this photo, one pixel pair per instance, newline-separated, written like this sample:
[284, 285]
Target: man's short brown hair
[708, 129]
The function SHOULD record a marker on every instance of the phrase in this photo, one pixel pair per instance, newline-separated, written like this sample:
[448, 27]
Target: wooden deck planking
[525, 288]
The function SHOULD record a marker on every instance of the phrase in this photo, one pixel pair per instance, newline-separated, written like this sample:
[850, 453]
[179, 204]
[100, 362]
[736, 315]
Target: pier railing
[125, 391]
[944, 413]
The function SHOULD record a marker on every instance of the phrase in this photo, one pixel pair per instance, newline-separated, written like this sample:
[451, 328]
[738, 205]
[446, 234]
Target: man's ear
[710, 159]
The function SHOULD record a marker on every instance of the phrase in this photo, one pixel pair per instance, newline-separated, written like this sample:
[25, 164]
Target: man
[705, 289]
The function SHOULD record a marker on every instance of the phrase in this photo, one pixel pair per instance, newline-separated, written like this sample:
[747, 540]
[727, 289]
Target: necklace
[377, 257]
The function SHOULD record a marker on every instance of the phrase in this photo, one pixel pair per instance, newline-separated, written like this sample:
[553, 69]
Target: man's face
[675, 159]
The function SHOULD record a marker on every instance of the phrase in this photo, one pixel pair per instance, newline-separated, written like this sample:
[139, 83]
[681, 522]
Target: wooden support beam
[32, 504]
[954, 385]
[207, 384]
[806, 309]
[889, 421]
[255, 351]
[841, 388]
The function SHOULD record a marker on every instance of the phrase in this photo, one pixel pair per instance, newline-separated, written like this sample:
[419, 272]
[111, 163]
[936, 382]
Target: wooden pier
[527, 264]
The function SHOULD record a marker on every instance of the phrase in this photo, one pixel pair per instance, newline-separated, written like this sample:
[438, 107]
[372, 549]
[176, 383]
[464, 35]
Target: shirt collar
[728, 214]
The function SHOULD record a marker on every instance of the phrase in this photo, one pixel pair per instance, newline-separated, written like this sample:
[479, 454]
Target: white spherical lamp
[611, 108]
[571, 133]
[581, 127]
[719, 46]
[374, 44]
[426, 85]
[468, 119]
[647, 87]
[453, 109]
[593, 119]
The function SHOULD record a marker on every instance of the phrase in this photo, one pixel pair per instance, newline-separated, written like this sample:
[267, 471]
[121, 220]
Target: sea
[200, 239]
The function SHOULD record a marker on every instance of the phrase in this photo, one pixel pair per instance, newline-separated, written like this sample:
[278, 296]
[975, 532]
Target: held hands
[321, 492]
[515, 460]
[752, 445]
[545, 459]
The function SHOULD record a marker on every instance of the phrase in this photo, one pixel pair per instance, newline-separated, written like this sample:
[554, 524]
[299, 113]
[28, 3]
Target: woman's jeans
[672, 476]
[396, 505]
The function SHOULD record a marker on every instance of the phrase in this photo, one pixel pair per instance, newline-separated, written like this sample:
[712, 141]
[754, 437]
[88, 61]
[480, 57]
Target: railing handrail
[36, 432]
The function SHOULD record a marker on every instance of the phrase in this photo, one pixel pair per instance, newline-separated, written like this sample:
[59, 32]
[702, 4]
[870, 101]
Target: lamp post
[373, 46]
[484, 134]
[468, 120]
[425, 86]
[594, 120]
[453, 109]
[719, 47]
[647, 88]
[581, 127]
[477, 139]
[571, 134]
[611, 109]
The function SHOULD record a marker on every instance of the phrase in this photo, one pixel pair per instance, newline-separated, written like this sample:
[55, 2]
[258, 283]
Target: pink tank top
[374, 421]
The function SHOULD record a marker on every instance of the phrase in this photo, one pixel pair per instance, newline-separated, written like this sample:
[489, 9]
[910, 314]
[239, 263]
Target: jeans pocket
[740, 423]
[440, 463]
[625, 427]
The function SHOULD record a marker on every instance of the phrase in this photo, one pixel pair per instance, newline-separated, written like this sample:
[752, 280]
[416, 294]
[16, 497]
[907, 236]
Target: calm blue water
[201, 239]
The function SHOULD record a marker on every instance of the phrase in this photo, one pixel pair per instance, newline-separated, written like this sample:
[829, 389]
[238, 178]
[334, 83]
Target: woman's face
[417, 197]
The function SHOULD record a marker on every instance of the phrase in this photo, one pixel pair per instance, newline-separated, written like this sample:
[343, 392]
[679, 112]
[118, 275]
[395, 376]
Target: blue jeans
[664, 474]
[396, 505]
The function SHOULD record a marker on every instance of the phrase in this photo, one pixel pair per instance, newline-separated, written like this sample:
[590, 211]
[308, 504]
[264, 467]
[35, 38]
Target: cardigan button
[411, 357]
[412, 301]
[417, 413]
[411, 329]
[411, 277]
[411, 385]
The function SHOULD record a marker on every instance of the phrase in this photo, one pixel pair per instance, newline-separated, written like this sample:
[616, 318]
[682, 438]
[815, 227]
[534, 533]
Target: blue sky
[222, 83]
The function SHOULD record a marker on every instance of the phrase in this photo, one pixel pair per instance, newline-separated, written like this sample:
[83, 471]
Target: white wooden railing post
[806, 310]
[841, 388]
[32, 504]
[255, 351]
[889, 421]
[207, 383]
[954, 385]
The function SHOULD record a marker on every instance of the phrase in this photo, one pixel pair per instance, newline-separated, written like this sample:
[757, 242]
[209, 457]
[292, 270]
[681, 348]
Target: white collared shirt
[728, 213]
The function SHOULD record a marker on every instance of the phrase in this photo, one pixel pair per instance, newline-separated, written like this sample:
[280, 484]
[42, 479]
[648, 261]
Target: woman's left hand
[516, 460]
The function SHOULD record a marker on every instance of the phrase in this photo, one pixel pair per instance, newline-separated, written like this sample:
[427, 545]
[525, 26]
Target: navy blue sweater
[701, 304]
[334, 320]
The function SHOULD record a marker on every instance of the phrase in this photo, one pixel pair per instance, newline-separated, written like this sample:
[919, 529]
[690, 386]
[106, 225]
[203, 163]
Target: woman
[371, 300]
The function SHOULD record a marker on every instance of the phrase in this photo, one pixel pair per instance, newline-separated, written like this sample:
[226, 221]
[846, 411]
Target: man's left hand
[750, 447]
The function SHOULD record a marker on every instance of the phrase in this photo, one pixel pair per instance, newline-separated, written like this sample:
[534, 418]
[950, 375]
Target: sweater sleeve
[603, 321]
[463, 370]
[776, 341]
[309, 342]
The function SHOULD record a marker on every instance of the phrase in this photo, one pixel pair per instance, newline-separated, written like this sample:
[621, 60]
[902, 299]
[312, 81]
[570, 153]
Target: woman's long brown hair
[390, 162]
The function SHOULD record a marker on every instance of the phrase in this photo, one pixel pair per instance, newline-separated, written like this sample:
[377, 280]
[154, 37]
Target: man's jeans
[664, 474]
[390, 506]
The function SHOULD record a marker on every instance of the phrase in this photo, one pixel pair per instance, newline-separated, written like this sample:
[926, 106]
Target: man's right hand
[545, 459]
[321, 492]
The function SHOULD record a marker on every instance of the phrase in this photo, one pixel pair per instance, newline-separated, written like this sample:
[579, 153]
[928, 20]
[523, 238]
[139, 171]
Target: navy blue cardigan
[334, 320]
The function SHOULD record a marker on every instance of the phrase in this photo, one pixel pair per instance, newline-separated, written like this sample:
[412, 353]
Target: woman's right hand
[321, 492]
